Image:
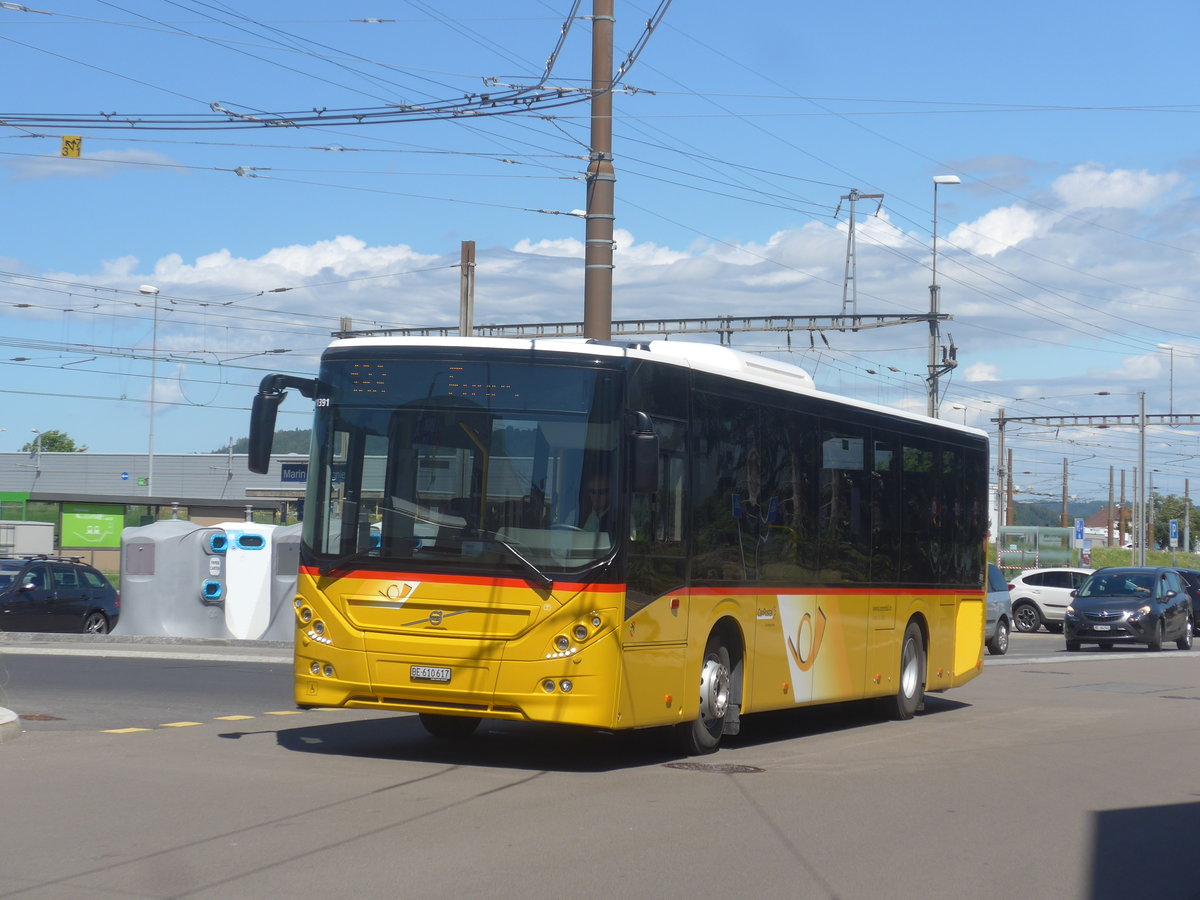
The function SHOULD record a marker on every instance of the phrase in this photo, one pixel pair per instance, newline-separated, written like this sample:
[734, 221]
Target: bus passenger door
[654, 633]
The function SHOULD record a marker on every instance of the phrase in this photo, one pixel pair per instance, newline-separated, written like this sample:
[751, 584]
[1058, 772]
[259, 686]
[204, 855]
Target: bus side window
[658, 518]
[885, 508]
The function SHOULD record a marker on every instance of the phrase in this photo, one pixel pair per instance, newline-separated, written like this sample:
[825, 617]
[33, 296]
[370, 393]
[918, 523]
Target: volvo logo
[435, 617]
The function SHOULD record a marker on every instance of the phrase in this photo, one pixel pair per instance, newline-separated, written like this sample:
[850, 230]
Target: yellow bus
[623, 536]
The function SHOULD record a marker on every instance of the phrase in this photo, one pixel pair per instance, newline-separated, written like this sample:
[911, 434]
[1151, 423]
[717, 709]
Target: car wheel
[454, 728]
[1185, 640]
[1156, 642]
[998, 645]
[1073, 646]
[96, 623]
[1027, 618]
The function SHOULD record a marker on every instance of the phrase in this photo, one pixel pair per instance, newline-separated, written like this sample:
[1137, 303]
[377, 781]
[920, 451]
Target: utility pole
[1187, 518]
[1122, 512]
[1066, 516]
[1000, 504]
[949, 360]
[466, 290]
[1012, 509]
[850, 282]
[1109, 518]
[601, 177]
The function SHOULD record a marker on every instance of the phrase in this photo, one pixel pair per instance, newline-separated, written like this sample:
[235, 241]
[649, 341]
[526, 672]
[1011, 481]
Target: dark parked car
[1191, 581]
[1139, 605]
[46, 593]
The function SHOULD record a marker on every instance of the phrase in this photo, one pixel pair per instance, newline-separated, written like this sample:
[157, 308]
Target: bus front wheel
[449, 727]
[703, 733]
[910, 695]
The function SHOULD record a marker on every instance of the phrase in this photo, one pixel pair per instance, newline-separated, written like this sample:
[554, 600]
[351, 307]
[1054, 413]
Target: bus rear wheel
[910, 695]
[703, 734]
[449, 727]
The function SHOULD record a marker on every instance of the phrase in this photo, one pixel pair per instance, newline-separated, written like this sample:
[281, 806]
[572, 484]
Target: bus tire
[454, 728]
[703, 734]
[910, 694]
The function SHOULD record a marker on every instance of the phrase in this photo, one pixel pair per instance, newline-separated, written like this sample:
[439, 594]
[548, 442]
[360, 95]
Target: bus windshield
[484, 466]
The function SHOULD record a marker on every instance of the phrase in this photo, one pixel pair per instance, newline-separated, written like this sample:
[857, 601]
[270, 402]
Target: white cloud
[998, 230]
[340, 257]
[981, 372]
[1089, 185]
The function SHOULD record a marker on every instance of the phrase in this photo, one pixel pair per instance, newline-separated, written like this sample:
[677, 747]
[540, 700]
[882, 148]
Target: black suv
[51, 593]
[1191, 581]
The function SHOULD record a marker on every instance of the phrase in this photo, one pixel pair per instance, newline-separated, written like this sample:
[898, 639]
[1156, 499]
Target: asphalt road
[1050, 775]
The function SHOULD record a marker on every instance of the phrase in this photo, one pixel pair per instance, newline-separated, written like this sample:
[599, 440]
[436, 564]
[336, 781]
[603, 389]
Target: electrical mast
[598, 246]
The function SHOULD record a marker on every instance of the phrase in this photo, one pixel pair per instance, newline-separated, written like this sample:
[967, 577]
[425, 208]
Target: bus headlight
[561, 643]
[580, 633]
[566, 685]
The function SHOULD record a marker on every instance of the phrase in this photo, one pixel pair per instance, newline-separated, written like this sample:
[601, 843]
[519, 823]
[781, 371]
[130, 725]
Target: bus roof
[711, 358]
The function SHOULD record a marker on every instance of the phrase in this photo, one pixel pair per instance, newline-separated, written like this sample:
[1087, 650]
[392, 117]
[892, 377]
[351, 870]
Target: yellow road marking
[236, 718]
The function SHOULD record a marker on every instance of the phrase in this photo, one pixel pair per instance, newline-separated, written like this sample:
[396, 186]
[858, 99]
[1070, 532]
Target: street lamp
[934, 369]
[1171, 383]
[151, 290]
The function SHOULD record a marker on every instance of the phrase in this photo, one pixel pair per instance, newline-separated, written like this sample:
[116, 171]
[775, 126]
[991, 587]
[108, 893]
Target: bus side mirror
[262, 431]
[271, 391]
[643, 454]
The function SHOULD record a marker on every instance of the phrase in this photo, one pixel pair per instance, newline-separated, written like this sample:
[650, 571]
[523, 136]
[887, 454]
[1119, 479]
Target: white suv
[1040, 597]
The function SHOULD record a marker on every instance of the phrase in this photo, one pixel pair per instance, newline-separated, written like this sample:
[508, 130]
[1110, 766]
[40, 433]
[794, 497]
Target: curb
[10, 725]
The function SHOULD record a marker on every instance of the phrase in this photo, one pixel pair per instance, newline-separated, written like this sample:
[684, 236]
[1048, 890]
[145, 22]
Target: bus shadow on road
[497, 744]
[809, 721]
[562, 748]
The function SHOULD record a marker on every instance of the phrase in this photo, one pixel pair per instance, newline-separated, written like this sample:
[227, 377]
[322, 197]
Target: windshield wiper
[536, 574]
[343, 562]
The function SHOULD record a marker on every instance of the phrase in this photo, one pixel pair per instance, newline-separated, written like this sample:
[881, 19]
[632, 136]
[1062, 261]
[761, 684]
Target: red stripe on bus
[479, 580]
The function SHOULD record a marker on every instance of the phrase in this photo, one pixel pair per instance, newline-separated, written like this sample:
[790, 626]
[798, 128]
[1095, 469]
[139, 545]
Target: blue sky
[1066, 257]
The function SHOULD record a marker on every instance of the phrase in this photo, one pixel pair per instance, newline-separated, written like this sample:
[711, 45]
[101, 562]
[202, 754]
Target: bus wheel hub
[714, 690]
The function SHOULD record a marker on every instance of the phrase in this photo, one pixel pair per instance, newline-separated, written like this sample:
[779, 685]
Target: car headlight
[1139, 613]
[1070, 611]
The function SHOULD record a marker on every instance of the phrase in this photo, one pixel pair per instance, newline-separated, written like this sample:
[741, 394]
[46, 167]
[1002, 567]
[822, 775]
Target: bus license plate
[440, 674]
[1094, 628]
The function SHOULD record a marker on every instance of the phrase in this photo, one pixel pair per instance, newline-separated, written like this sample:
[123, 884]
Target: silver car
[999, 612]
[1040, 597]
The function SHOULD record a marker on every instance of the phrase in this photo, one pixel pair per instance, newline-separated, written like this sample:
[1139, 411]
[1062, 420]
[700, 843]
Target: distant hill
[1051, 513]
[294, 441]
